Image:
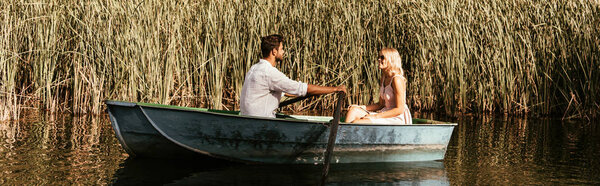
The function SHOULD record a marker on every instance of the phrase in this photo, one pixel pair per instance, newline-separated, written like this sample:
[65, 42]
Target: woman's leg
[355, 113]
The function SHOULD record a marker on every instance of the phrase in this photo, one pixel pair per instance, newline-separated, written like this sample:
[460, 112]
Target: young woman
[391, 108]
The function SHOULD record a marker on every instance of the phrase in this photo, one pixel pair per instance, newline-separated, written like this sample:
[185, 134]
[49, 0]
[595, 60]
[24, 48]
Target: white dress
[387, 93]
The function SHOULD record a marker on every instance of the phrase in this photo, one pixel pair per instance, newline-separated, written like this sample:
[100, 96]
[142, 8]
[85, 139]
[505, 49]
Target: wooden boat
[164, 131]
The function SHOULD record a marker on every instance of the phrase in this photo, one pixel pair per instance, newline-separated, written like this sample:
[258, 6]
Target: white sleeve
[279, 82]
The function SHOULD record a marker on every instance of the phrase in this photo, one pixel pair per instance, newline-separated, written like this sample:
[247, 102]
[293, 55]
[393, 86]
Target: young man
[264, 84]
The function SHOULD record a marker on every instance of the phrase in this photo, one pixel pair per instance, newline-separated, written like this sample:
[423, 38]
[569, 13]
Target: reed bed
[512, 57]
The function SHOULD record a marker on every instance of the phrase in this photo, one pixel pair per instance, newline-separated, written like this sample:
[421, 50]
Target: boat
[166, 131]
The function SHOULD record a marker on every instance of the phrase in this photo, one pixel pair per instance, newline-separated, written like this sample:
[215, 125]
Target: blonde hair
[394, 59]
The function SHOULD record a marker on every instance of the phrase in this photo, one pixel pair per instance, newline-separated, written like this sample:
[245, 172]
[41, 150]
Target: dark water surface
[64, 150]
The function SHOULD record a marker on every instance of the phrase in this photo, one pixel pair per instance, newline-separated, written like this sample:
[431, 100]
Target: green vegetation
[472, 56]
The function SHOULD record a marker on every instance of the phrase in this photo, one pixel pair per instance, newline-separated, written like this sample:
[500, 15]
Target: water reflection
[158, 171]
[58, 150]
[8, 135]
[516, 151]
[149, 171]
[65, 150]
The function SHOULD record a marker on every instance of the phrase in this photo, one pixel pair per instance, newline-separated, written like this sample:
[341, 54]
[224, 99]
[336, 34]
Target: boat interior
[281, 115]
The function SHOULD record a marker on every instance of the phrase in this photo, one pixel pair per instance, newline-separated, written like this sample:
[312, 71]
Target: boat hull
[138, 137]
[282, 141]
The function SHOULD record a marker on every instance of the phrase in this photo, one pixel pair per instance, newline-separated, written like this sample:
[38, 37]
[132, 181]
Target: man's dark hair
[268, 43]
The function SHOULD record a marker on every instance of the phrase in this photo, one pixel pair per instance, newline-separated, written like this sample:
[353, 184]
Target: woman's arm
[399, 86]
[371, 107]
[379, 105]
[376, 106]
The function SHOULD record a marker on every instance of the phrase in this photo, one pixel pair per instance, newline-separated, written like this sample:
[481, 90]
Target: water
[64, 150]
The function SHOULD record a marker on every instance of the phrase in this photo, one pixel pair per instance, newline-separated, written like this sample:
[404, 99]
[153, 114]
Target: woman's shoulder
[398, 80]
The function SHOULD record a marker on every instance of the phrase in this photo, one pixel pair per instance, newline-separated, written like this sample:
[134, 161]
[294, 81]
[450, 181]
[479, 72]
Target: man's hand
[319, 90]
[341, 88]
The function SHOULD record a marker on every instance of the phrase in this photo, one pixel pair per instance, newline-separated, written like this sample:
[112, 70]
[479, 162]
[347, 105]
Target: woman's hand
[370, 116]
[359, 106]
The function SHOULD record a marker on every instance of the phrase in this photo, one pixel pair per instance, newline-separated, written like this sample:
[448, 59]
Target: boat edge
[292, 120]
[116, 127]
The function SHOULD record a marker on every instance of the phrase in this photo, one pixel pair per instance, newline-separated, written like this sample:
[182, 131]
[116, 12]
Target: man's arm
[318, 90]
[279, 82]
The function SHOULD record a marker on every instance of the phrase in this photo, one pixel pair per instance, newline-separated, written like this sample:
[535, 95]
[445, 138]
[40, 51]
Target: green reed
[512, 57]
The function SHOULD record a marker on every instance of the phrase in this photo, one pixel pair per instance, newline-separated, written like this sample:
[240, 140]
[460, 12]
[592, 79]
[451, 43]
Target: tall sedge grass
[513, 57]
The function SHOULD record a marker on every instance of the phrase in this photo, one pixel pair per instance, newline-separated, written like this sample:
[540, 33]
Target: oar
[287, 102]
[332, 135]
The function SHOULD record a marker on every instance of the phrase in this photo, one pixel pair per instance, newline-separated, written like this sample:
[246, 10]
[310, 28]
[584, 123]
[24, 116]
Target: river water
[66, 150]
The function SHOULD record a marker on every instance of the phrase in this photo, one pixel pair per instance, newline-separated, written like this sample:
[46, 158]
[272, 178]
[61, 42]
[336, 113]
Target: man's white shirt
[263, 87]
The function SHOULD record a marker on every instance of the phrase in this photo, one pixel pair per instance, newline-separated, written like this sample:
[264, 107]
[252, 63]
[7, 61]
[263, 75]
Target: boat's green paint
[188, 108]
[295, 139]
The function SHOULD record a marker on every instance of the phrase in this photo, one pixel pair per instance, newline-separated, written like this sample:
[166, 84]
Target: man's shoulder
[257, 67]
[267, 69]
